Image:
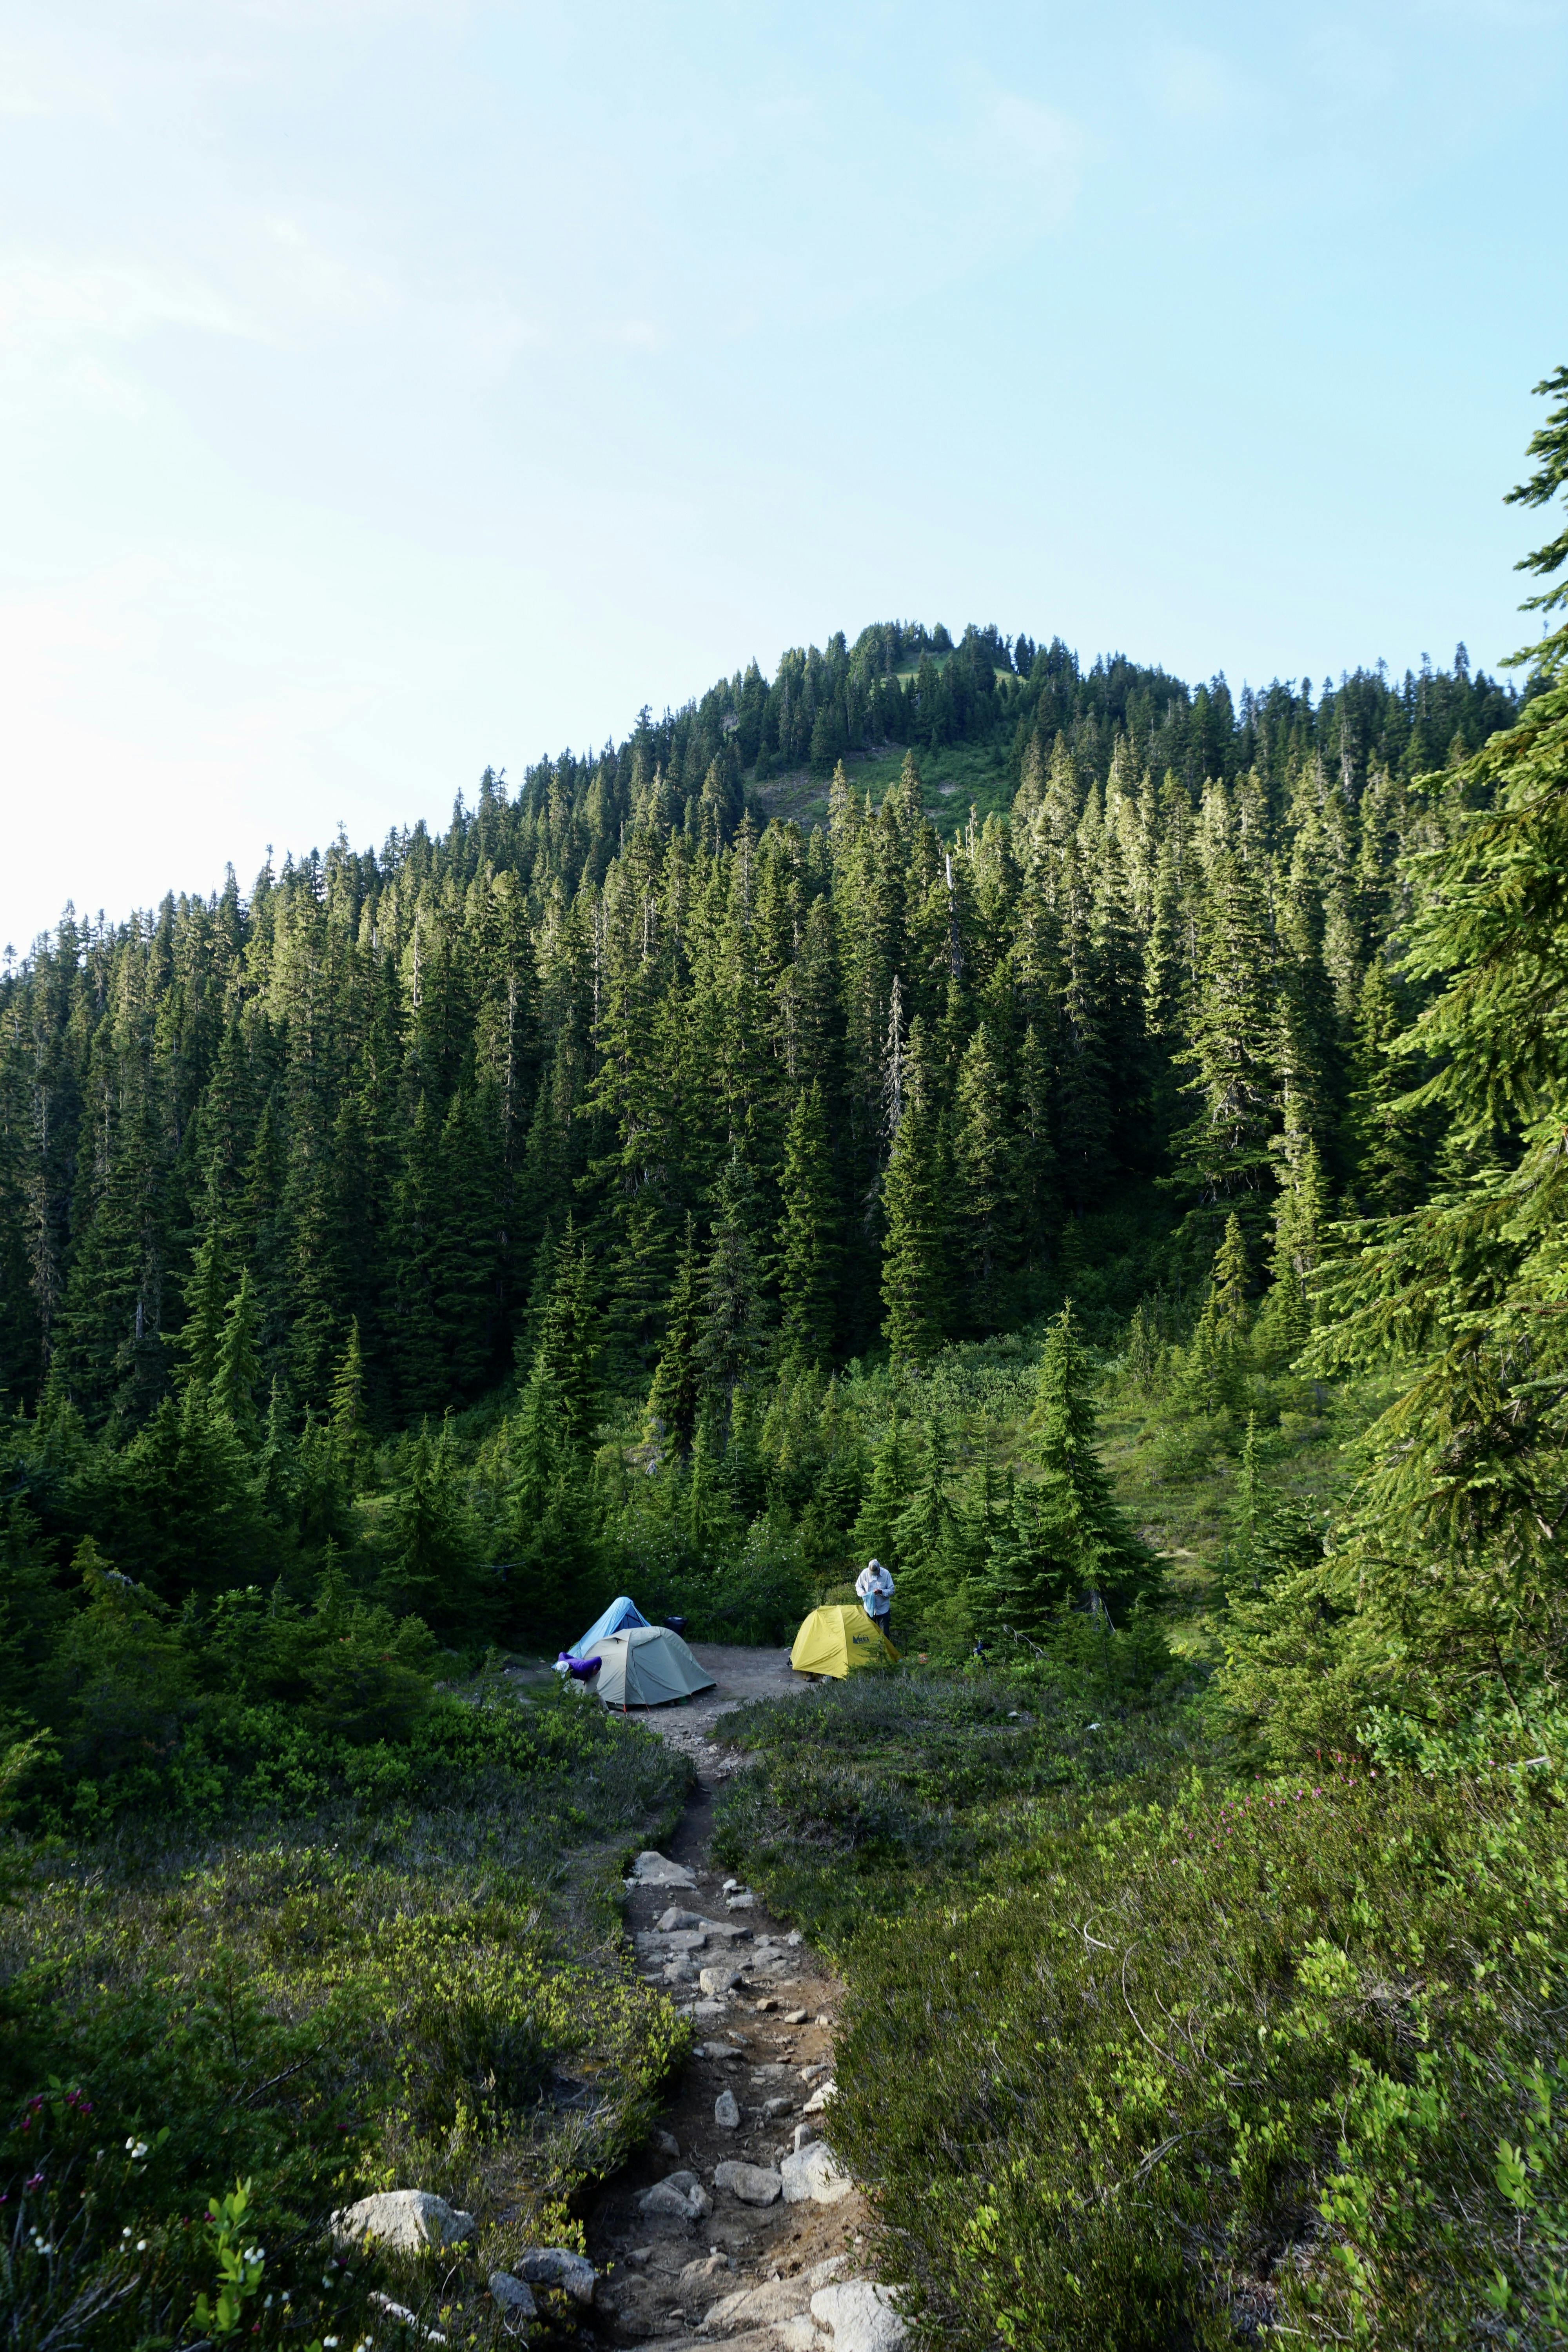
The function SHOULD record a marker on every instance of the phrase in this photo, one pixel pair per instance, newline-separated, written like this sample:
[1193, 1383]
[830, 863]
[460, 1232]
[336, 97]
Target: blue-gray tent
[619, 1618]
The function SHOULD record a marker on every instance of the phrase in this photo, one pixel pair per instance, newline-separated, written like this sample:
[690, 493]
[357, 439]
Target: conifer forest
[1092, 1140]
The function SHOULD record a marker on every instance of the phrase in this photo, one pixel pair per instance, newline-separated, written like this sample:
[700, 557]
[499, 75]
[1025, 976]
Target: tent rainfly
[620, 1613]
[840, 1641]
[648, 1665]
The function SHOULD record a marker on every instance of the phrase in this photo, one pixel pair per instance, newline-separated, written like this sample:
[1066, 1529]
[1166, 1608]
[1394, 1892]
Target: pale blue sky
[386, 389]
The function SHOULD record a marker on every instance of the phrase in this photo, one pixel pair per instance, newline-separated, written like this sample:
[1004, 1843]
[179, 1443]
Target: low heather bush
[1166, 2061]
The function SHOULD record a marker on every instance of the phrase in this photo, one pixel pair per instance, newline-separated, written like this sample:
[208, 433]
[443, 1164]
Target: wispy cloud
[46, 300]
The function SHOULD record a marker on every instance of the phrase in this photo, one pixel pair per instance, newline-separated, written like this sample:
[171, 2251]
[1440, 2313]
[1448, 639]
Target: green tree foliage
[916, 1272]
[565, 1353]
[1549, 446]
[808, 1248]
[985, 1195]
[730, 1338]
[676, 1390]
[237, 1368]
[1386, 1132]
[360, 1227]
[1101, 1551]
[875, 1535]
[376, 1083]
[1454, 1582]
[431, 1565]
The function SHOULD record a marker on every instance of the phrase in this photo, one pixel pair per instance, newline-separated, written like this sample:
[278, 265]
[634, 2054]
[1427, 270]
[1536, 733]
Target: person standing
[874, 1588]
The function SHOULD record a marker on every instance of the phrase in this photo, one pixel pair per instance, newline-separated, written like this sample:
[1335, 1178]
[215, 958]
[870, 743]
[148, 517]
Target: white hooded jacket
[873, 1586]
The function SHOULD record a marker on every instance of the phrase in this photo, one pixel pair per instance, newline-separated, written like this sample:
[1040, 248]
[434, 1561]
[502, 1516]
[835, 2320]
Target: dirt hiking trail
[756, 2240]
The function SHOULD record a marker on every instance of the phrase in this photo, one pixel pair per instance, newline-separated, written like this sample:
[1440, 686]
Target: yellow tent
[840, 1641]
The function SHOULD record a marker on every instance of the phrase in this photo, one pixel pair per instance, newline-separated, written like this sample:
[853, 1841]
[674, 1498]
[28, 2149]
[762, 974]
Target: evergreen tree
[1030, 1573]
[983, 1193]
[1286, 1318]
[350, 1434]
[730, 1343]
[914, 1256]
[567, 1346]
[1033, 1153]
[677, 1389]
[237, 1372]
[1386, 1131]
[808, 1239]
[875, 1532]
[1456, 1563]
[431, 1563]
[201, 1332]
[1549, 444]
[1223, 1155]
[1230, 1283]
[927, 1535]
[1086, 1527]
[1082, 1070]
[415, 1332]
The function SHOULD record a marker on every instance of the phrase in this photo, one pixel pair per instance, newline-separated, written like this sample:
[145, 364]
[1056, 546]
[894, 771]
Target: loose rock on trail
[719, 2233]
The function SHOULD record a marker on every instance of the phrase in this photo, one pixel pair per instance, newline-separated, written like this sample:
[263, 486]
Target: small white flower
[126, 2231]
[141, 2246]
[327, 2343]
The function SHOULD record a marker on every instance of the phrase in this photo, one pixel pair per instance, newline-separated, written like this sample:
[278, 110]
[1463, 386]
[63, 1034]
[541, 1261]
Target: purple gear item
[582, 1670]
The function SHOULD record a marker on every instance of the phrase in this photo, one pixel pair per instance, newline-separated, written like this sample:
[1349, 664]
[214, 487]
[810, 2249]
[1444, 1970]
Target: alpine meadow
[1098, 1145]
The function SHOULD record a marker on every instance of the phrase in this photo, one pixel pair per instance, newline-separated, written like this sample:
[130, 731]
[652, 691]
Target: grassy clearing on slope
[1160, 2059]
[396, 1994]
[953, 777]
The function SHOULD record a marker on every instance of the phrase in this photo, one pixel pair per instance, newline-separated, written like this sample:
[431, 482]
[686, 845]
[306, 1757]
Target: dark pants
[884, 1624]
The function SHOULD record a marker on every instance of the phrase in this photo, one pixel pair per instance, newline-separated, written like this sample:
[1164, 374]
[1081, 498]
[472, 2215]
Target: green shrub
[1153, 2058]
[422, 1985]
[1227, 2063]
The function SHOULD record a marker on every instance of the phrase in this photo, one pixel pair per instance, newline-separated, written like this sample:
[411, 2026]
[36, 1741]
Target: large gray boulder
[679, 2196]
[407, 2219]
[717, 1981]
[753, 2184]
[859, 2318]
[813, 2176]
[726, 2111]
[558, 2266]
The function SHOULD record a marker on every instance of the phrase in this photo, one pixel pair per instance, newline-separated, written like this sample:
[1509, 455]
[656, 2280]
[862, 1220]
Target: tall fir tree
[676, 1390]
[985, 1195]
[915, 1272]
[236, 1369]
[1088, 1527]
[808, 1250]
[730, 1341]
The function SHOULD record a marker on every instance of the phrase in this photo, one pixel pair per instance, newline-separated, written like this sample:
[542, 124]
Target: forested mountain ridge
[368, 1089]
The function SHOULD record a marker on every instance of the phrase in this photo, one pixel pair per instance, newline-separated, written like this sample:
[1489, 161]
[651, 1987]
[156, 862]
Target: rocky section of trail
[736, 2226]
